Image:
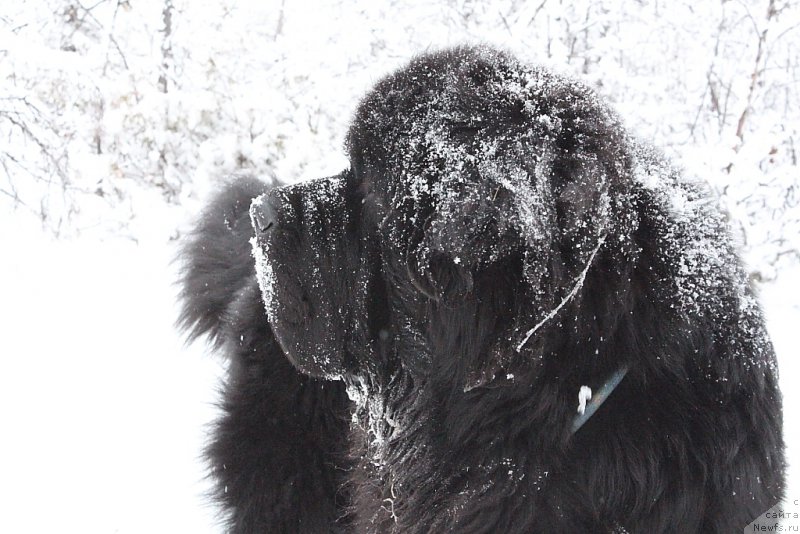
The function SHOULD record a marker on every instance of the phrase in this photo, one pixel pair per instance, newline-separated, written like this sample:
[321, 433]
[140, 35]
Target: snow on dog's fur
[408, 337]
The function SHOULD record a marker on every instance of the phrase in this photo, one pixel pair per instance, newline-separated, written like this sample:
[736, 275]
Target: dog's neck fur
[415, 412]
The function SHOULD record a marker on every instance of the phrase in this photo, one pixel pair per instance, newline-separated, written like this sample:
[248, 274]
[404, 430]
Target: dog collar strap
[599, 398]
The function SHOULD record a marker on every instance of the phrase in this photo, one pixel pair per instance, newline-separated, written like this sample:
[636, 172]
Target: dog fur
[407, 340]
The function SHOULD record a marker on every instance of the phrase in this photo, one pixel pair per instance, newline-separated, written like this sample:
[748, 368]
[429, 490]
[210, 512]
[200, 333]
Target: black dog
[415, 357]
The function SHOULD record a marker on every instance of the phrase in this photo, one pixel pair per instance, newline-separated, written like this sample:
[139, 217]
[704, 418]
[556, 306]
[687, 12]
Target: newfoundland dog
[507, 316]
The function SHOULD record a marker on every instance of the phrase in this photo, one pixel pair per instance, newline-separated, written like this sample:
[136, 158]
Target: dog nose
[263, 214]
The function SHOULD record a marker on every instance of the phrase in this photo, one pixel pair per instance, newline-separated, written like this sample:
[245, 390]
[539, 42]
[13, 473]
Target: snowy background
[117, 117]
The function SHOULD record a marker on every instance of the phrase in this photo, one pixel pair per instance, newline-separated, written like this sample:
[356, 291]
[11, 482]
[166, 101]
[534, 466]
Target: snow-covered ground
[104, 409]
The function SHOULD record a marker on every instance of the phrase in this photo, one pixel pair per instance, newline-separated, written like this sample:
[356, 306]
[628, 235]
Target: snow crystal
[371, 410]
[584, 395]
[264, 272]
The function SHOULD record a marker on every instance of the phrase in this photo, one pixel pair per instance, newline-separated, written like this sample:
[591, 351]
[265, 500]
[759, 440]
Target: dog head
[478, 192]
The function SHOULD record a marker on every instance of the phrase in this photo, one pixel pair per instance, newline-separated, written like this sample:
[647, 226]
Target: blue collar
[599, 397]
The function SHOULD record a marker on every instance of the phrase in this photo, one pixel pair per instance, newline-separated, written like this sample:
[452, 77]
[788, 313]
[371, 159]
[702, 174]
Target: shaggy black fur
[498, 242]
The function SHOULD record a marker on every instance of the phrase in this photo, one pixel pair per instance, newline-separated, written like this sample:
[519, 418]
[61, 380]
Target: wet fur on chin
[445, 419]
